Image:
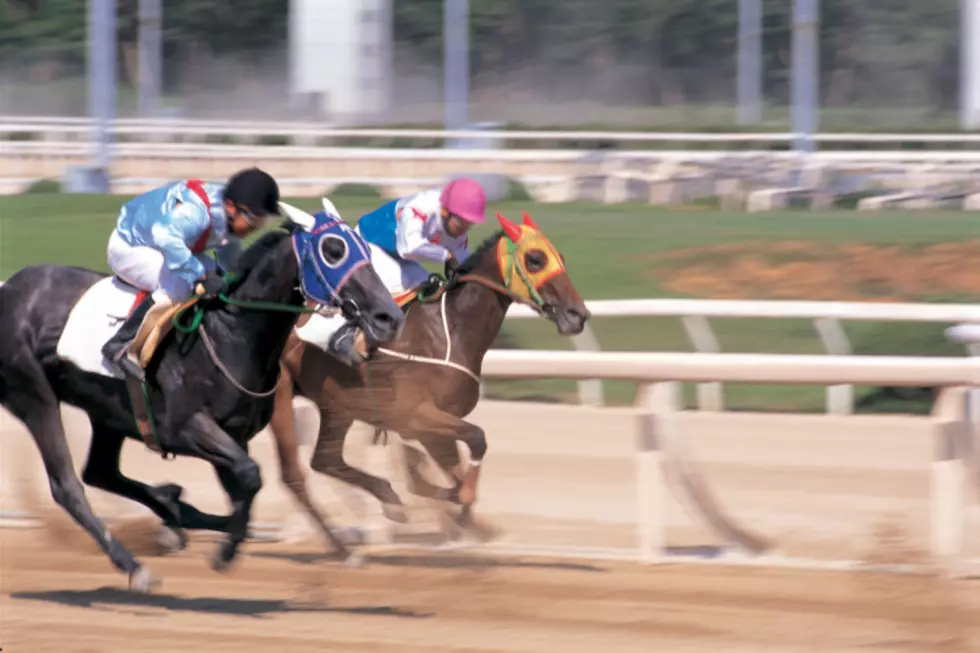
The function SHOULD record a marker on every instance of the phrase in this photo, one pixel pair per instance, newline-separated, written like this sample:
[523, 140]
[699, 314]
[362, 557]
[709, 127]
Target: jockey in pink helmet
[429, 226]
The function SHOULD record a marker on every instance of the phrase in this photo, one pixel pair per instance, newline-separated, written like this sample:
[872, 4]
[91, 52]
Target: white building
[341, 57]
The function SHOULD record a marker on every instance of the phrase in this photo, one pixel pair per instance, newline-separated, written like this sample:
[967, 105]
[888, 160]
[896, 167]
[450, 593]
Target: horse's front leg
[434, 422]
[476, 440]
[102, 471]
[445, 454]
[283, 428]
[239, 474]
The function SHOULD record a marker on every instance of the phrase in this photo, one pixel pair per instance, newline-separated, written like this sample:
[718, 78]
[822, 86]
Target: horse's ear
[329, 208]
[528, 222]
[512, 230]
[298, 216]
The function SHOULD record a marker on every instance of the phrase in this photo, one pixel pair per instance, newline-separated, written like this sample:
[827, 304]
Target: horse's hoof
[169, 492]
[394, 512]
[351, 536]
[478, 531]
[142, 581]
[171, 539]
[224, 557]
[220, 563]
[354, 560]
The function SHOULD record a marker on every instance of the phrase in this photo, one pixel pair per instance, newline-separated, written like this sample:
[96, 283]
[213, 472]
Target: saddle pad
[93, 321]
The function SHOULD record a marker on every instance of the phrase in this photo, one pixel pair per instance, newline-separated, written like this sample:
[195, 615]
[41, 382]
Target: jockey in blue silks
[160, 242]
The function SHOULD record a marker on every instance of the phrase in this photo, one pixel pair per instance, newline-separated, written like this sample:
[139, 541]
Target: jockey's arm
[410, 238]
[171, 234]
[462, 250]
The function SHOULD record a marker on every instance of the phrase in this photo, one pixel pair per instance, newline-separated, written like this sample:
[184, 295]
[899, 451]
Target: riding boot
[117, 347]
[348, 345]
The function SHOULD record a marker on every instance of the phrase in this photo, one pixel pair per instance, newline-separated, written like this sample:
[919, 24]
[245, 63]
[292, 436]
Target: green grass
[608, 251]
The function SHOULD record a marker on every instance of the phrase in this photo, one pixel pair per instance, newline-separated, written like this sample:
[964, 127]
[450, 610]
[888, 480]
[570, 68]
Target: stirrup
[129, 367]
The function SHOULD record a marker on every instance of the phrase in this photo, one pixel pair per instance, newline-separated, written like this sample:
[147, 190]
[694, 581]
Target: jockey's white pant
[144, 268]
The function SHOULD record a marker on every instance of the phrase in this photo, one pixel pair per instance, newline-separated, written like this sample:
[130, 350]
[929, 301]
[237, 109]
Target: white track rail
[250, 129]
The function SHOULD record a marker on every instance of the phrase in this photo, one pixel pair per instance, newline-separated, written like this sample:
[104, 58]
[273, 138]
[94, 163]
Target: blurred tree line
[666, 51]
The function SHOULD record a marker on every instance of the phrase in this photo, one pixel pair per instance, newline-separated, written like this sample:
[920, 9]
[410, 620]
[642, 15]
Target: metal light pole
[749, 62]
[456, 69]
[150, 57]
[970, 64]
[101, 85]
[806, 73]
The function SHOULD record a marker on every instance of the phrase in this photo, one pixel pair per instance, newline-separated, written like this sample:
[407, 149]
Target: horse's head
[335, 271]
[532, 268]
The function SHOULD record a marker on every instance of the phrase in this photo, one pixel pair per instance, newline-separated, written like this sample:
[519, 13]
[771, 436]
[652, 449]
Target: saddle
[156, 326]
[429, 289]
[403, 299]
[162, 322]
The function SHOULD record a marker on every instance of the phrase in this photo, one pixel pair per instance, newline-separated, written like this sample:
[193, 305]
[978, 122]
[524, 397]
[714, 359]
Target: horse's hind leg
[328, 458]
[31, 399]
[102, 471]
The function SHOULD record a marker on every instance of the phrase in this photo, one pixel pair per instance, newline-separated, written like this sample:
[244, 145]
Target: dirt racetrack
[59, 596]
[556, 477]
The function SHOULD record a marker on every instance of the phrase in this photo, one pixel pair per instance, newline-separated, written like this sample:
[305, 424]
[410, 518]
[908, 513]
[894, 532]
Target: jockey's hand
[213, 284]
[451, 265]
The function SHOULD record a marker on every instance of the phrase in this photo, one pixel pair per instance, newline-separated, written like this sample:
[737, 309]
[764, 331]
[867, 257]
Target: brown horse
[429, 379]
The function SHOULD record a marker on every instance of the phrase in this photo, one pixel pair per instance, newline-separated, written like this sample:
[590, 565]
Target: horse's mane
[255, 253]
[476, 257]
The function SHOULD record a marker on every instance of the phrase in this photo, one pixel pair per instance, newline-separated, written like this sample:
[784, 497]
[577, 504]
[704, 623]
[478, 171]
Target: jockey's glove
[451, 265]
[214, 284]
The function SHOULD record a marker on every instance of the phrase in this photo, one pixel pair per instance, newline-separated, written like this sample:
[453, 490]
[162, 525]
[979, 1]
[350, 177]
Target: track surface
[58, 596]
[819, 487]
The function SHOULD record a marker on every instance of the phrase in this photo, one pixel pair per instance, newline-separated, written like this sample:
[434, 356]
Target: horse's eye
[333, 251]
[535, 260]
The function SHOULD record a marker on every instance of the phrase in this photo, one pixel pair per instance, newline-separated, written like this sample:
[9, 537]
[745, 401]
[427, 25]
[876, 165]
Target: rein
[196, 324]
[439, 295]
[536, 303]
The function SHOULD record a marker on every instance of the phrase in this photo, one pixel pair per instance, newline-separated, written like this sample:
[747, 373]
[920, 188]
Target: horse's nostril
[388, 320]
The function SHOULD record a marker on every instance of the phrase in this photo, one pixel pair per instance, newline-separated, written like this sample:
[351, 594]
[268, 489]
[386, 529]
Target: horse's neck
[478, 313]
[264, 331]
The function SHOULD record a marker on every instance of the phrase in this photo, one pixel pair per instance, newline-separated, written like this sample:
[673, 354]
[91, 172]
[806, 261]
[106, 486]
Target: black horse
[198, 385]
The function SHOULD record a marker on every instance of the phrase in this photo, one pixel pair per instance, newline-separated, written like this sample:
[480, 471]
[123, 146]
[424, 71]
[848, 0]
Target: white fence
[828, 318]
[660, 455]
[658, 441]
[300, 132]
[305, 152]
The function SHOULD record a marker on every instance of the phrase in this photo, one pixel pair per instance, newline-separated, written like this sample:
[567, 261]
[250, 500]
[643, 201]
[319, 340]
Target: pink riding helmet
[465, 197]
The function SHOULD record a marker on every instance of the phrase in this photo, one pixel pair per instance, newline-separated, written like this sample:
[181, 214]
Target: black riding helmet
[255, 191]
